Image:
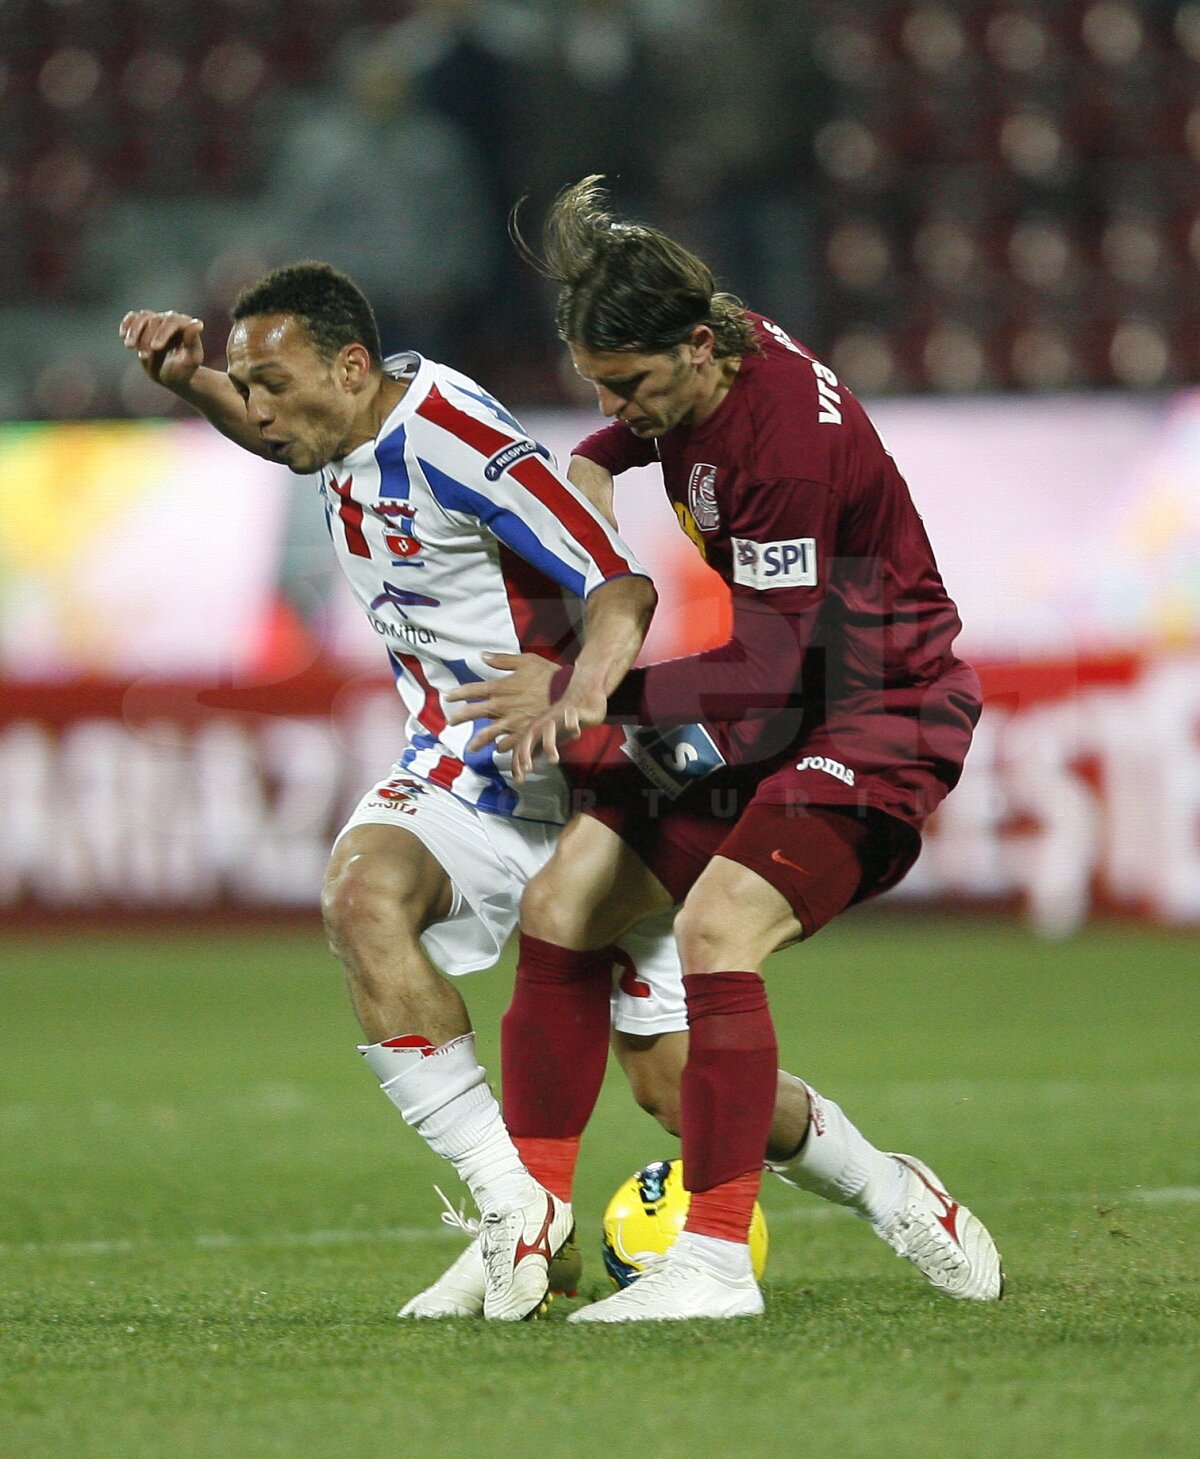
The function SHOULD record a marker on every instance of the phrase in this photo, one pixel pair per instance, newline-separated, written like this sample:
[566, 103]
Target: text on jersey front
[764, 565]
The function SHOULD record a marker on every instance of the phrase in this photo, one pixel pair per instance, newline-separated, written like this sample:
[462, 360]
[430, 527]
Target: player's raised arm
[170, 347]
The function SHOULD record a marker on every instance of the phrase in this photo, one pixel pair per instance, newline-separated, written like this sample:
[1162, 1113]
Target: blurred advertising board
[190, 701]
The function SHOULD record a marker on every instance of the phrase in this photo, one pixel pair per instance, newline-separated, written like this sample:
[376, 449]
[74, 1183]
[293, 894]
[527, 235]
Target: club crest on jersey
[400, 538]
[702, 496]
[502, 460]
[764, 565]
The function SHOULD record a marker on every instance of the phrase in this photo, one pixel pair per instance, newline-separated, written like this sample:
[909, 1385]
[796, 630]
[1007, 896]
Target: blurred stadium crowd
[938, 195]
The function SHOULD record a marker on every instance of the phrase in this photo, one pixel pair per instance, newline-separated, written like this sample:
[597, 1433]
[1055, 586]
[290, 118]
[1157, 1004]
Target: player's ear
[354, 365]
[700, 344]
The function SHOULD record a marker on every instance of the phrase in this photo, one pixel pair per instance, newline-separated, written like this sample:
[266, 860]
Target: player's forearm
[595, 483]
[756, 672]
[617, 616]
[212, 394]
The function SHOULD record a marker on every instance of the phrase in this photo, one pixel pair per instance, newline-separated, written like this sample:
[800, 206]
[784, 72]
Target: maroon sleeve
[760, 670]
[754, 674]
[616, 448]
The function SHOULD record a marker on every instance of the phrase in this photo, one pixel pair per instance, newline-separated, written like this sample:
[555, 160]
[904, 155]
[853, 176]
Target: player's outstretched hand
[582, 706]
[168, 344]
[522, 718]
[511, 702]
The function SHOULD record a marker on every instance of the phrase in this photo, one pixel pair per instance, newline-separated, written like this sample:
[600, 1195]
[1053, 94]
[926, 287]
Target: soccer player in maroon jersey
[837, 717]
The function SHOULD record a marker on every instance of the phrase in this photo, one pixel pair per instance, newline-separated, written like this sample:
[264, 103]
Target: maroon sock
[554, 1039]
[728, 1091]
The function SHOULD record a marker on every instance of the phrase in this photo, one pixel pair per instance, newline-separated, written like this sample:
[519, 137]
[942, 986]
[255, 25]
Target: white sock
[838, 1162]
[444, 1095]
[730, 1258]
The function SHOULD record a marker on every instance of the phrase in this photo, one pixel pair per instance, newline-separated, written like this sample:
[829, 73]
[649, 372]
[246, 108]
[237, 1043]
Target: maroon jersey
[838, 685]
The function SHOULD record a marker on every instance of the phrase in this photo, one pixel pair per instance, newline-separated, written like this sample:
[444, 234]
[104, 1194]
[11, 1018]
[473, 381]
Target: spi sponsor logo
[827, 767]
[764, 565]
[702, 496]
[502, 460]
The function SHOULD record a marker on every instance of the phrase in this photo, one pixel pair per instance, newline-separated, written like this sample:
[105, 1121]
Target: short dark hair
[625, 286]
[330, 305]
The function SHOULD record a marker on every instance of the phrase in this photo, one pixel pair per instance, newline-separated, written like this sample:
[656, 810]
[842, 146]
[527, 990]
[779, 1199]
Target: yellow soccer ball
[647, 1213]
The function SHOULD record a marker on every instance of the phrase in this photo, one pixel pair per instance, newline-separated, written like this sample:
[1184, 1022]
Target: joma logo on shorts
[828, 766]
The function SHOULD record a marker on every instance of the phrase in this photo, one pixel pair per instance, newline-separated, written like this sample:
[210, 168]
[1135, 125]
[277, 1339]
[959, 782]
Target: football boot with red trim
[460, 1290]
[949, 1246]
[518, 1247]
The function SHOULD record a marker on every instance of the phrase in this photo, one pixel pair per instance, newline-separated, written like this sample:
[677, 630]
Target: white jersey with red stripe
[459, 535]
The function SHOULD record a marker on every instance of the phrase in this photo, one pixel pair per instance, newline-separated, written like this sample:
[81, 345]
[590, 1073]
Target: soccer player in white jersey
[458, 536]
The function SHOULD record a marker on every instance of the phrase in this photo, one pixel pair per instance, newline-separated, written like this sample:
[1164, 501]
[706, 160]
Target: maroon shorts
[820, 858]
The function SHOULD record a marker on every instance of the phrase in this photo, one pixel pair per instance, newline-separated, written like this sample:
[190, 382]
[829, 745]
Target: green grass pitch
[209, 1215]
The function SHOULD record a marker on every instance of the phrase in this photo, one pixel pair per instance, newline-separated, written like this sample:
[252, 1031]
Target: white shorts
[489, 859]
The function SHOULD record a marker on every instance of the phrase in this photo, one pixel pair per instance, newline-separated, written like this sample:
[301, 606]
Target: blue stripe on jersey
[492, 404]
[409, 757]
[455, 496]
[394, 482]
[498, 797]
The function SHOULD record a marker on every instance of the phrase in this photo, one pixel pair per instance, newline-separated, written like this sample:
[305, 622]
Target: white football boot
[943, 1240]
[517, 1247]
[674, 1288]
[460, 1290]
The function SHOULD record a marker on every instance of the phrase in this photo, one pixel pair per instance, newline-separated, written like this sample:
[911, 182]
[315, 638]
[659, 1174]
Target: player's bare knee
[364, 902]
[653, 1065]
[661, 1100]
[702, 935]
[655, 1087]
[550, 912]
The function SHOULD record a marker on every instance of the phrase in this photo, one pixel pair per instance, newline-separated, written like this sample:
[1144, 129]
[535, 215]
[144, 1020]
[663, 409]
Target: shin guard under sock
[729, 1081]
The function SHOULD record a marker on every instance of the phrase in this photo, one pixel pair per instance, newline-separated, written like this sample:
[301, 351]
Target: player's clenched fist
[168, 344]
